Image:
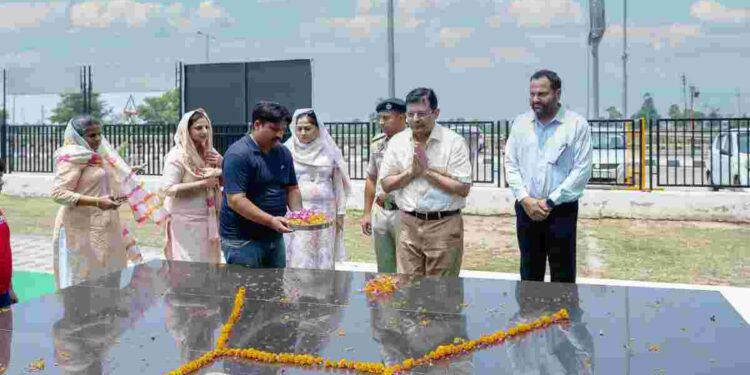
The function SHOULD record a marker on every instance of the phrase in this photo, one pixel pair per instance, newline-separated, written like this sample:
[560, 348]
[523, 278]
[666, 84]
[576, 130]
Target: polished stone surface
[151, 318]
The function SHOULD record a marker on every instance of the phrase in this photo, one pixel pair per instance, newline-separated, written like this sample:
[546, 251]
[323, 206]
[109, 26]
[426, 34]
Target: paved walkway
[34, 253]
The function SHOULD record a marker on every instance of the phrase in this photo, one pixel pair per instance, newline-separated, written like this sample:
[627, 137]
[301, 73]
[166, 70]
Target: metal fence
[617, 148]
[631, 154]
[31, 147]
[704, 152]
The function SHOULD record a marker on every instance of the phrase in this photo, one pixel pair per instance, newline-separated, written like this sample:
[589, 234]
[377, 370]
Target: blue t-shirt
[263, 178]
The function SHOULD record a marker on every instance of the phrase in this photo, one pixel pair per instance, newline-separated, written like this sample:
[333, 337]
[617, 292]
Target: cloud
[22, 59]
[464, 63]
[494, 21]
[99, 14]
[513, 55]
[450, 37]
[15, 16]
[714, 11]
[209, 10]
[233, 44]
[174, 13]
[409, 9]
[542, 13]
[360, 26]
[412, 6]
[366, 6]
[365, 22]
[673, 35]
[323, 48]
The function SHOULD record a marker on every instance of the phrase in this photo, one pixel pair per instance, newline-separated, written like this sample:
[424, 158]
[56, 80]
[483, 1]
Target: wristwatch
[550, 203]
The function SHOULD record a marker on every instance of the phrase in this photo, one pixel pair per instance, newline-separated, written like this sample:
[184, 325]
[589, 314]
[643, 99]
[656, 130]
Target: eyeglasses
[420, 114]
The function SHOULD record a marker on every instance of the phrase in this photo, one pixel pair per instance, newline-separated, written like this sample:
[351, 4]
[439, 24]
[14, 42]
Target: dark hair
[310, 114]
[266, 111]
[82, 122]
[551, 76]
[416, 95]
[195, 117]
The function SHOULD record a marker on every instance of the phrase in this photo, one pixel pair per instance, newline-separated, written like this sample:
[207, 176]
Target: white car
[608, 157]
[730, 159]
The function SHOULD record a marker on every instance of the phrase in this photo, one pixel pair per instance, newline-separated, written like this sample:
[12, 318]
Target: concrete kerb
[490, 200]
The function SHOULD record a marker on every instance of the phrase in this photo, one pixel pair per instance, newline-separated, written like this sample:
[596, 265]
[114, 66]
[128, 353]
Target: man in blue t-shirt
[259, 185]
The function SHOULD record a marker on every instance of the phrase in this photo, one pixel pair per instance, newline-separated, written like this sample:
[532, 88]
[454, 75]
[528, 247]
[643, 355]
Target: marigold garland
[239, 302]
[381, 286]
[442, 352]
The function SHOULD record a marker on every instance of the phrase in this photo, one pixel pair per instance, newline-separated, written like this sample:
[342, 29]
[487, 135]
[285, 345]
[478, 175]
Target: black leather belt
[433, 215]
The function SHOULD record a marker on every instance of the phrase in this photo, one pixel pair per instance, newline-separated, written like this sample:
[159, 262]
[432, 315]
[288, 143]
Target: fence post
[503, 133]
[651, 154]
[642, 183]
[4, 131]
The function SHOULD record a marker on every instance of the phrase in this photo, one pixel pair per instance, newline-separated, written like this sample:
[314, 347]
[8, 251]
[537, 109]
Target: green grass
[359, 247]
[691, 253]
[700, 253]
[37, 216]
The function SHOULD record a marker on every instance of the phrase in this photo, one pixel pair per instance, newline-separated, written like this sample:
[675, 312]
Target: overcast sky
[476, 54]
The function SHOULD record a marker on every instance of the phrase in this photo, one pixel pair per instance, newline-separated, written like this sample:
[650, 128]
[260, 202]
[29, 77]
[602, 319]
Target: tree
[162, 109]
[613, 113]
[71, 104]
[714, 113]
[675, 111]
[648, 109]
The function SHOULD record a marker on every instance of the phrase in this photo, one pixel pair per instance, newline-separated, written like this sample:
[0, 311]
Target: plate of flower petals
[306, 219]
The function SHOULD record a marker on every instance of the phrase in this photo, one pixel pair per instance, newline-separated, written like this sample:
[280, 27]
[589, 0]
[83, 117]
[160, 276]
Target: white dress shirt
[447, 153]
[549, 160]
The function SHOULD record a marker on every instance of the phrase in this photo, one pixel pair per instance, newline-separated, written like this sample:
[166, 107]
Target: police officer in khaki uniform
[383, 221]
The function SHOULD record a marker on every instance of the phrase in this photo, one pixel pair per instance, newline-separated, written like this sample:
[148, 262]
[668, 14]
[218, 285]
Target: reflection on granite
[301, 322]
[561, 349]
[151, 318]
[93, 318]
[402, 334]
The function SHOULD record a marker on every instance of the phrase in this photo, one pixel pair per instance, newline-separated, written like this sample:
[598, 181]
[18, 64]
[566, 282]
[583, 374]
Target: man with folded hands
[428, 169]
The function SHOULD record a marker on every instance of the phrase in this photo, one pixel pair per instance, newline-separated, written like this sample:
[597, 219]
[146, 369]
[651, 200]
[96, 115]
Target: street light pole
[391, 53]
[597, 27]
[207, 36]
[625, 59]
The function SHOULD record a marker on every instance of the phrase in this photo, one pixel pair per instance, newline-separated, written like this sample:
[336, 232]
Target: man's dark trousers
[553, 238]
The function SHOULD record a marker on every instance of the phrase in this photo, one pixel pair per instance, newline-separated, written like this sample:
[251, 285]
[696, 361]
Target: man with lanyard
[429, 169]
[548, 164]
[383, 223]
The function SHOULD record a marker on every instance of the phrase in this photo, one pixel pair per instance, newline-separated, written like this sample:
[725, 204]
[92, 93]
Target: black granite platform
[151, 318]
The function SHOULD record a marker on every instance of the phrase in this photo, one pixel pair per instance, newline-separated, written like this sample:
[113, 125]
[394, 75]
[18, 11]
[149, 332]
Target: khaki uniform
[386, 220]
